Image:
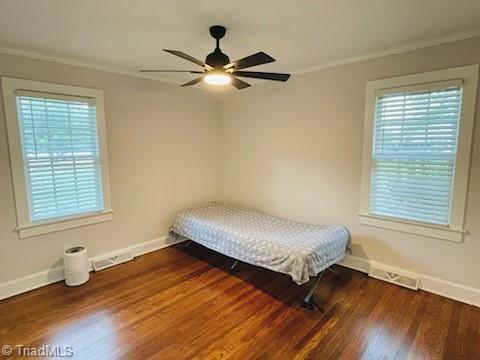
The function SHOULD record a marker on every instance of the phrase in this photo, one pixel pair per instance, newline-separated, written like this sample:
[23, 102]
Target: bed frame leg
[309, 300]
[187, 244]
[234, 265]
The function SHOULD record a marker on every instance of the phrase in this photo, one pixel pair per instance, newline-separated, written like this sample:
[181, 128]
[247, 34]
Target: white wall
[295, 150]
[291, 149]
[163, 156]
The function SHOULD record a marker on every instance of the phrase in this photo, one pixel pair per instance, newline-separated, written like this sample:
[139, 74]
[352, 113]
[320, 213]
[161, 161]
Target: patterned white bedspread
[297, 249]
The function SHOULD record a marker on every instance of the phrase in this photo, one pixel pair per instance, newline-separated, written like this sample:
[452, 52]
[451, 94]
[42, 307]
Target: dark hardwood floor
[176, 304]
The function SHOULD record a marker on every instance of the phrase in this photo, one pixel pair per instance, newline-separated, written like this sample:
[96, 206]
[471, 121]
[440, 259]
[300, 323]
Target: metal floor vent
[113, 260]
[393, 277]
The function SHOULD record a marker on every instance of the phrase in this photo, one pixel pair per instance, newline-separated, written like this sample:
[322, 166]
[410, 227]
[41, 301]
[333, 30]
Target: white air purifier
[75, 263]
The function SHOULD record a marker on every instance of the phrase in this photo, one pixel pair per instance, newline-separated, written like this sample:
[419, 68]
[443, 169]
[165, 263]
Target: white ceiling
[300, 34]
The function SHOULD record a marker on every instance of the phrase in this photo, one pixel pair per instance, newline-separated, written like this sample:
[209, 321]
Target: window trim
[453, 232]
[25, 227]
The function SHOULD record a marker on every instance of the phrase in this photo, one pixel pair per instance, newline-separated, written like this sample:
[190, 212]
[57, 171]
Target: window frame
[454, 231]
[25, 227]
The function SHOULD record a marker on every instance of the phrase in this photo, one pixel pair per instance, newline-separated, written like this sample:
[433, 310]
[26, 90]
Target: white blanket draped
[297, 249]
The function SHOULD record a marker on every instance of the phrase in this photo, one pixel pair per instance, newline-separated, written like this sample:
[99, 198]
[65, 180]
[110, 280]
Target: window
[57, 144]
[414, 148]
[418, 132]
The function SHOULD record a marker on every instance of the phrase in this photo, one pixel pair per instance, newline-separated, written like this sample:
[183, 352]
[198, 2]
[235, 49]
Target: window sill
[46, 227]
[437, 232]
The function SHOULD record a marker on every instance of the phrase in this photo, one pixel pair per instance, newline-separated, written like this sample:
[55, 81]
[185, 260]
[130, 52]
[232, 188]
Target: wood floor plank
[429, 342]
[184, 304]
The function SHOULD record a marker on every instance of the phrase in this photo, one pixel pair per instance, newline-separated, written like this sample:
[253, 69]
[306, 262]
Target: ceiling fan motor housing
[217, 58]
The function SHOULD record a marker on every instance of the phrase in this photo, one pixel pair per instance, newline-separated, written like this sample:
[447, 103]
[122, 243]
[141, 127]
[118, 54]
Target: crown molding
[392, 51]
[119, 70]
[83, 64]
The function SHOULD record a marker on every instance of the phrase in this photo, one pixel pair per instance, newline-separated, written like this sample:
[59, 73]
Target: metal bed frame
[309, 299]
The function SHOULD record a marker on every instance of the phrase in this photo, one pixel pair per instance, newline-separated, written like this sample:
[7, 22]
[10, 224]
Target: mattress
[298, 249]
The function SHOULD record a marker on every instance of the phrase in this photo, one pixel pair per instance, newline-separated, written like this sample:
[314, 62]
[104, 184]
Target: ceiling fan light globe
[217, 79]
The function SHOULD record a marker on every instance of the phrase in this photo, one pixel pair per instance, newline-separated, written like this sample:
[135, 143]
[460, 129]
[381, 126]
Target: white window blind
[414, 150]
[60, 154]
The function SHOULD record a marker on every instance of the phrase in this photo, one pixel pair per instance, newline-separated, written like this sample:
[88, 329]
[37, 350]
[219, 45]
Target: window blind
[60, 154]
[414, 150]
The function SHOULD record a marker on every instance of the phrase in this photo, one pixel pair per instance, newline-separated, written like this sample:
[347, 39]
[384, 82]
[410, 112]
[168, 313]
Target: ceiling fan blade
[239, 84]
[252, 60]
[173, 71]
[262, 75]
[185, 56]
[188, 57]
[193, 82]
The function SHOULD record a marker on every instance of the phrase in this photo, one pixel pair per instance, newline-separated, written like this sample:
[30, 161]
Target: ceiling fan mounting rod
[217, 32]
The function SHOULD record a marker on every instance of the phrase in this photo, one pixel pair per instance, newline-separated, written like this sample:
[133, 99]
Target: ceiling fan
[218, 70]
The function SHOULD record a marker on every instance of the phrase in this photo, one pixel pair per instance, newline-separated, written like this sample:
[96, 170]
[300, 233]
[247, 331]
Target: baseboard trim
[154, 245]
[50, 276]
[31, 282]
[431, 284]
